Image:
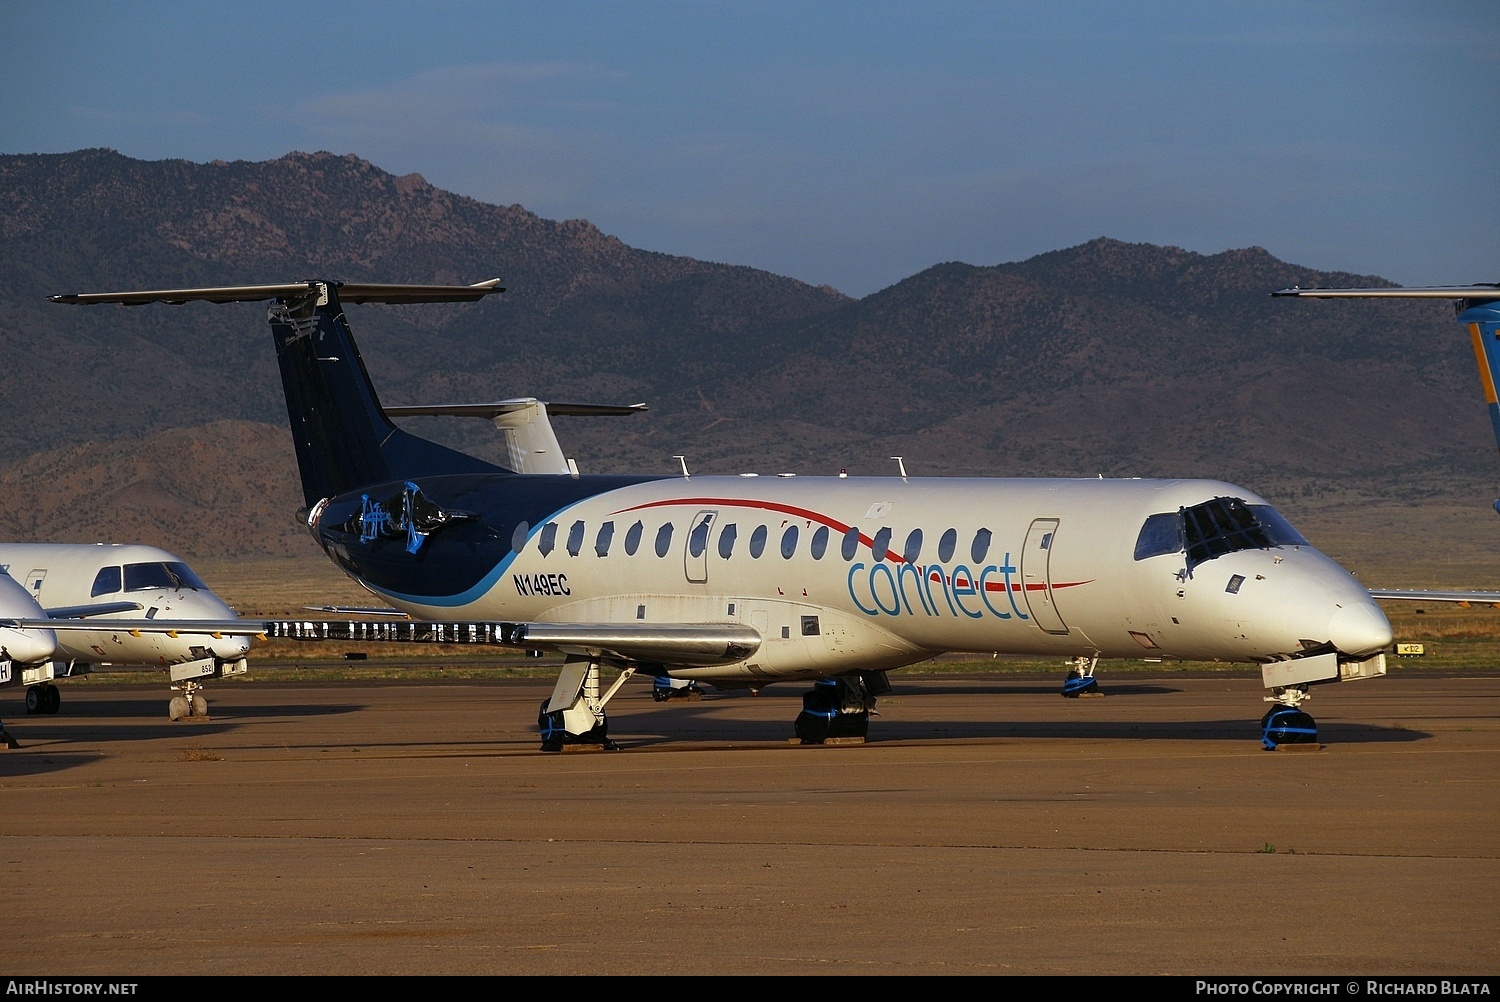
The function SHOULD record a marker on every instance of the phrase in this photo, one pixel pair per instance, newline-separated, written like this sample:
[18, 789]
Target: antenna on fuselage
[683, 460]
[900, 465]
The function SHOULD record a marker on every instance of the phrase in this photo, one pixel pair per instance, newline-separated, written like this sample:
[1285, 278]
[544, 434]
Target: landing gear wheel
[51, 698]
[1076, 685]
[199, 706]
[177, 708]
[825, 716]
[1287, 725]
[35, 700]
[555, 734]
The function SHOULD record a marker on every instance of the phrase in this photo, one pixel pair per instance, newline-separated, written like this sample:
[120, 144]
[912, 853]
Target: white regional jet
[743, 581]
[92, 606]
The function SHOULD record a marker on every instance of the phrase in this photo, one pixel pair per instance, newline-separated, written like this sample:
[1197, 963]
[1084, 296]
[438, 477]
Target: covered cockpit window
[1225, 525]
[171, 575]
[1214, 528]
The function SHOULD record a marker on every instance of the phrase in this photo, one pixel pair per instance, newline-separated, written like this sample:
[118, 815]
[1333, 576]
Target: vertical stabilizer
[343, 439]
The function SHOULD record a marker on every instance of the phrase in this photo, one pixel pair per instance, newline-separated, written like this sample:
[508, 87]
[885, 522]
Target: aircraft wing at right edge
[1425, 595]
[1478, 309]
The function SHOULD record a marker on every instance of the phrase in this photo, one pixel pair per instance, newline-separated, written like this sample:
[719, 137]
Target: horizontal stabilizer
[349, 292]
[498, 408]
[348, 610]
[531, 445]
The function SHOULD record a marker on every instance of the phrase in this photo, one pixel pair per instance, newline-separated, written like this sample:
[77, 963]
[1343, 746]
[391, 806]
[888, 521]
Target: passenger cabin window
[789, 542]
[605, 537]
[663, 540]
[518, 538]
[726, 540]
[981, 547]
[947, 544]
[106, 582]
[882, 543]
[575, 539]
[913, 548]
[758, 541]
[851, 543]
[548, 539]
[819, 544]
[177, 576]
[633, 538]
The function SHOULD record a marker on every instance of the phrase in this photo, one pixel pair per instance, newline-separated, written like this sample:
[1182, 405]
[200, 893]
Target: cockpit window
[1161, 534]
[106, 582]
[1214, 528]
[174, 575]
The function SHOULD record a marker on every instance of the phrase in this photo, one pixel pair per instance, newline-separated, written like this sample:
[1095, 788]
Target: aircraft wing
[1465, 292]
[698, 645]
[1422, 595]
[211, 627]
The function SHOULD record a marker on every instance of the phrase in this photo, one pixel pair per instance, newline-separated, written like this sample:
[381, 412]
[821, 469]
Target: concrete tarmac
[988, 826]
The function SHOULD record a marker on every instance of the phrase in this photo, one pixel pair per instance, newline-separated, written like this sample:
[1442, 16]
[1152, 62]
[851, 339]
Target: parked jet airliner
[111, 606]
[746, 581]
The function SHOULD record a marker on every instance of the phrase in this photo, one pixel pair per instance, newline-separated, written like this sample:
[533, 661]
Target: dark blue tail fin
[344, 440]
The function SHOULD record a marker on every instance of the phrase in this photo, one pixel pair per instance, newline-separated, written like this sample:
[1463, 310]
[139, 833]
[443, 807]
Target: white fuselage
[858, 574]
[70, 576]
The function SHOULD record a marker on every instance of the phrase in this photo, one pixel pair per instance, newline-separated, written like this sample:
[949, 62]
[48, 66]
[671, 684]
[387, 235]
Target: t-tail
[344, 440]
[1478, 309]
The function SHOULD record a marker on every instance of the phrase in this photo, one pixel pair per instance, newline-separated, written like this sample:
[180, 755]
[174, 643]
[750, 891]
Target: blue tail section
[1483, 323]
[343, 439]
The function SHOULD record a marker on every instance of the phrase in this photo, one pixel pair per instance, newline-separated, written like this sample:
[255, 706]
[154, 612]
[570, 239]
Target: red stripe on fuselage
[832, 523]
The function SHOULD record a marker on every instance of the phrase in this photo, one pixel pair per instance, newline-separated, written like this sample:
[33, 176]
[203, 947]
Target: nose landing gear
[190, 704]
[1286, 724]
[1080, 680]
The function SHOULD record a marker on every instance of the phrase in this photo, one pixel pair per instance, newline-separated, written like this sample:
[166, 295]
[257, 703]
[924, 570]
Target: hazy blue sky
[846, 143]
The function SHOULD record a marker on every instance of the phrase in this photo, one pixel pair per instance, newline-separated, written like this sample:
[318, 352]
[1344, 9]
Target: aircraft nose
[29, 646]
[1360, 629]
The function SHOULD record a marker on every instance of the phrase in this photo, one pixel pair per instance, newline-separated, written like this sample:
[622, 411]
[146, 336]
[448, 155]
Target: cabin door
[1036, 573]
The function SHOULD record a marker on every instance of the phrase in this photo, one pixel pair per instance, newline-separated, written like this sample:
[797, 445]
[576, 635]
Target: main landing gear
[573, 716]
[838, 710]
[664, 687]
[1285, 723]
[44, 697]
[1080, 680]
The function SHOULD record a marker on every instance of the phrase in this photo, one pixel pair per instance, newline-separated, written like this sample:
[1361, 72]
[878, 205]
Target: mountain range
[166, 424]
